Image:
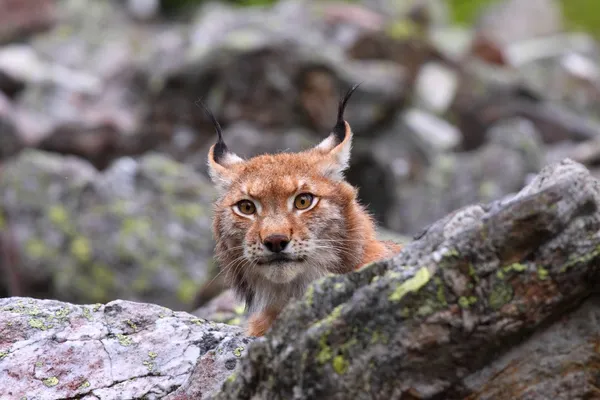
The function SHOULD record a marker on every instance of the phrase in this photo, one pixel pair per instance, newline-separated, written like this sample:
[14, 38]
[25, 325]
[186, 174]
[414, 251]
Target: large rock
[138, 231]
[119, 350]
[471, 309]
[409, 187]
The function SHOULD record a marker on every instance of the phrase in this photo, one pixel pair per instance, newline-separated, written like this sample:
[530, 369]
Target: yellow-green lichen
[36, 249]
[239, 309]
[187, 290]
[198, 321]
[87, 314]
[466, 302]
[131, 324]
[152, 355]
[3, 354]
[189, 212]
[379, 337]
[542, 273]
[85, 385]
[517, 267]
[441, 294]
[335, 313]
[38, 324]
[573, 261]
[238, 351]
[124, 340]
[231, 377]
[340, 365]
[411, 285]
[62, 313]
[309, 294]
[81, 249]
[52, 381]
[97, 307]
[149, 365]
[338, 286]
[58, 215]
[324, 354]
[500, 295]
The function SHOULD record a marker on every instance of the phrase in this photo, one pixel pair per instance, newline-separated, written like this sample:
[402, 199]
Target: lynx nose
[276, 243]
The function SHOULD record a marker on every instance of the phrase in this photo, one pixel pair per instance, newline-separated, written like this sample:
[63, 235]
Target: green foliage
[579, 15]
[582, 15]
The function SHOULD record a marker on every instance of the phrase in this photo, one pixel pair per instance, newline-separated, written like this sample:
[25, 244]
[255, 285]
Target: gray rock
[11, 142]
[408, 184]
[435, 87]
[433, 134]
[512, 21]
[452, 315]
[52, 350]
[137, 231]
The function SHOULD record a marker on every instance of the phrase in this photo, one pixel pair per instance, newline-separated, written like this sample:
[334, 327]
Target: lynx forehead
[283, 220]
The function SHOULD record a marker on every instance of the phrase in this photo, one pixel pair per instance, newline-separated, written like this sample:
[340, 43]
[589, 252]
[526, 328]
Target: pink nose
[276, 243]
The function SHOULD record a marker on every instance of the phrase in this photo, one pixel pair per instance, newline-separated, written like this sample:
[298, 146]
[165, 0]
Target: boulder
[492, 301]
[119, 350]
[139, 230]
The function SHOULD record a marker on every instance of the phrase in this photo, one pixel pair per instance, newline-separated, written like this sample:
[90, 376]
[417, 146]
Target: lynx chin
[286, 219]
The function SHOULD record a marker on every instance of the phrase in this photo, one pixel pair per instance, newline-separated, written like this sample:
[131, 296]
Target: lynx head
[280, 217]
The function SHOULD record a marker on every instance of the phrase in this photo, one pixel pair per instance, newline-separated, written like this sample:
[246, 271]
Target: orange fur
[334, 234]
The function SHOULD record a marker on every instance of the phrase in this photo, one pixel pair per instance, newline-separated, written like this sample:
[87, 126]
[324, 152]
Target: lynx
[283, 220]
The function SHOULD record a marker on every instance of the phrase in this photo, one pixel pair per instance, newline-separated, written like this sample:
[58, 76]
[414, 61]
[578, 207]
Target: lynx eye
[303, 201]
[246, 207]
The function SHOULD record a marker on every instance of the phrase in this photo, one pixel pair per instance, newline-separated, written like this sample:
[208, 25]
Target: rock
[119, 350]
[435, 87]
[225, 308]
[488, 95]
[481, 305]
[22, 18]
[507, 22]
[11, 141]
[500, 167]
[434, 134]
[138, 231]
[143, 9]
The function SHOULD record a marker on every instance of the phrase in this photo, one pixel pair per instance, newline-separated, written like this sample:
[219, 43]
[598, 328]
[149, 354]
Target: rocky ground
[103, 186]
[494, 301]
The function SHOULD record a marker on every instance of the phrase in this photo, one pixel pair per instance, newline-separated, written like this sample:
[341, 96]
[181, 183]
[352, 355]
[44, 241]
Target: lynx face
[281, 217]
[285, 219]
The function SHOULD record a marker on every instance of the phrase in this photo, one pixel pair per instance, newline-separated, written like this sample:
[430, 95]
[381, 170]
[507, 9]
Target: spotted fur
[334, 235]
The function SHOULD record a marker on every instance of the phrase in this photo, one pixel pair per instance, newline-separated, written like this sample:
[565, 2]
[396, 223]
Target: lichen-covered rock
[409, 190]
[51, 350]
[138, 231]
[452, 315]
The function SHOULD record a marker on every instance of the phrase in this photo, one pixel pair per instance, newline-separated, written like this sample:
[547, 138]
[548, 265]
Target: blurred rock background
[103, 187]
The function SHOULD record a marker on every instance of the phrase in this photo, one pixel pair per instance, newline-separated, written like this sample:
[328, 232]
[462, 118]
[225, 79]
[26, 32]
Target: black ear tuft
[340, 127]
[220, 146]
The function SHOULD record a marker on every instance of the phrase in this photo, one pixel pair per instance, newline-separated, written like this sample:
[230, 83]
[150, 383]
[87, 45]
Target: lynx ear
[220, 159]
[336, 147]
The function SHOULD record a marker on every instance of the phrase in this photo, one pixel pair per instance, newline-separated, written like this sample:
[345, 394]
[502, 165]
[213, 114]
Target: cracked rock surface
[119, 350]
[486, 304]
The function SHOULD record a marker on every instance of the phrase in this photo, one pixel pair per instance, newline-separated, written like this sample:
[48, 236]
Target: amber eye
[246, 207]
[303, 201]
